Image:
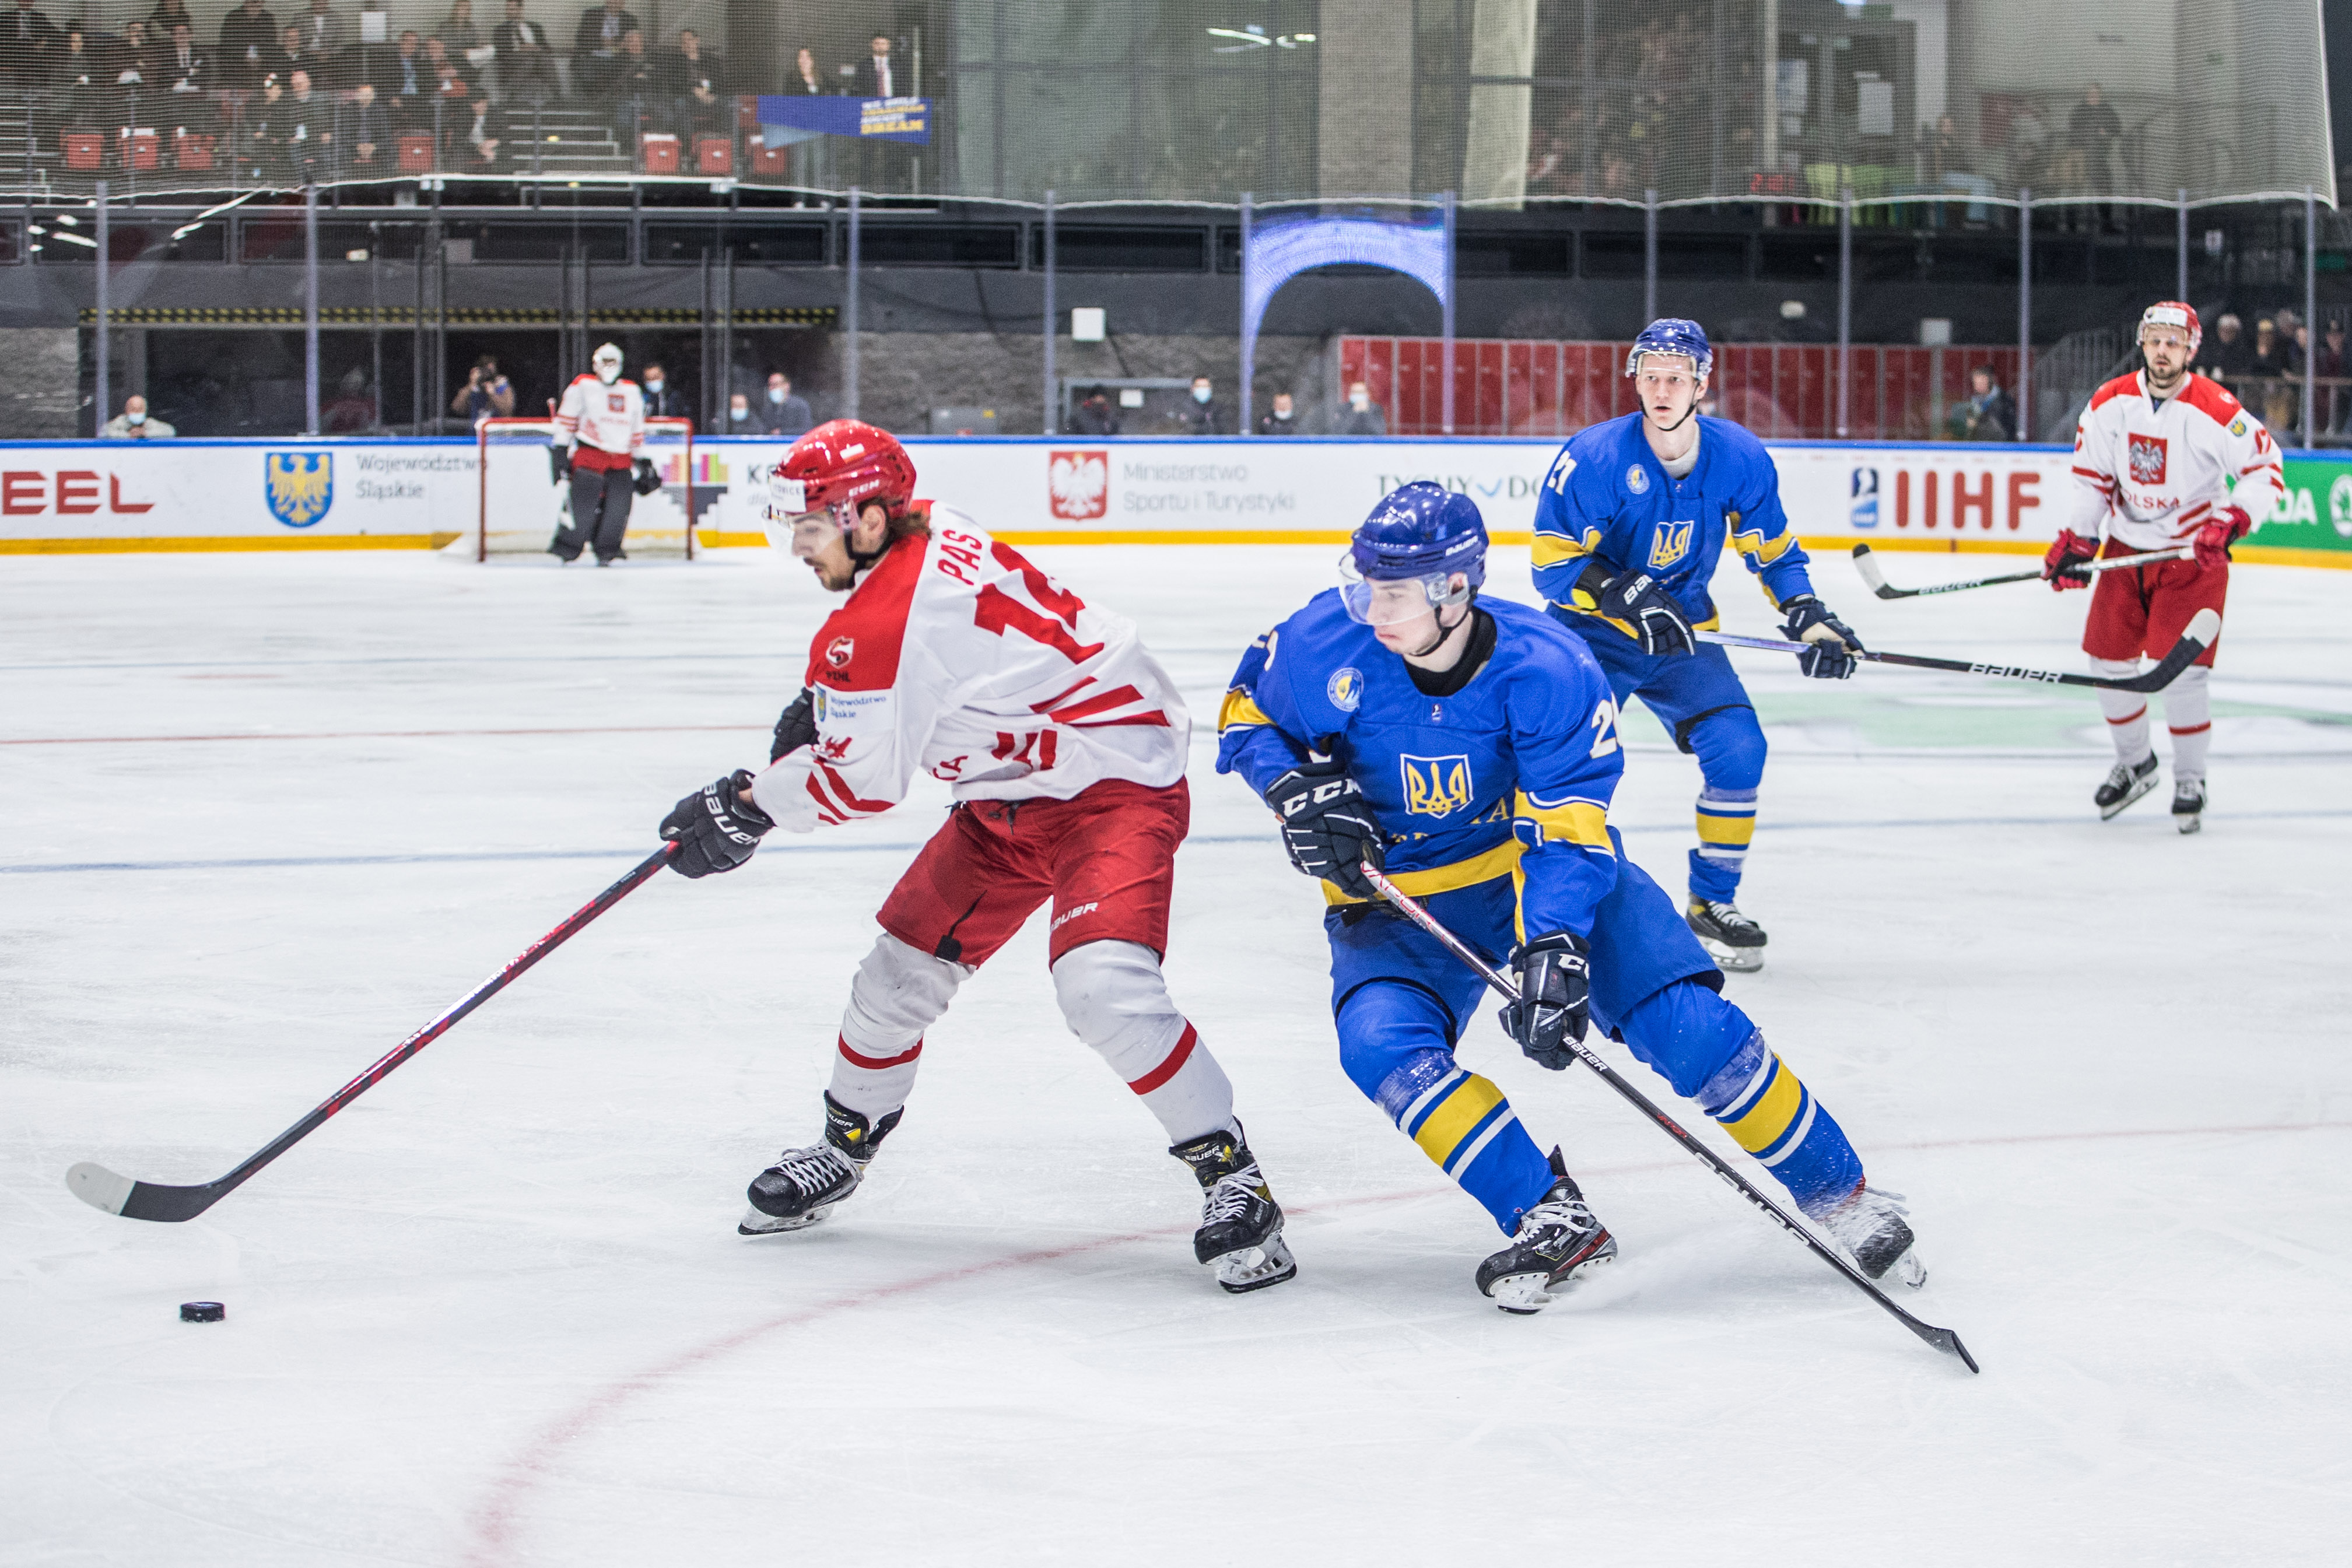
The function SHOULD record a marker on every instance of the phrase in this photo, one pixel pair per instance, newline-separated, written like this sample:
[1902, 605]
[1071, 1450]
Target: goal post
[522, 502]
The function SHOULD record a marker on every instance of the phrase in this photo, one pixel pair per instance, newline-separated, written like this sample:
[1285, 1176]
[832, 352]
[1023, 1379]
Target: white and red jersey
[957, 656]
[608, 419]
[2152, 473]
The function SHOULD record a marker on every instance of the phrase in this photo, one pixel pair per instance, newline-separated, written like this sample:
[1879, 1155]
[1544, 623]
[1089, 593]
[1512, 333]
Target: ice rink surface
[267, 815]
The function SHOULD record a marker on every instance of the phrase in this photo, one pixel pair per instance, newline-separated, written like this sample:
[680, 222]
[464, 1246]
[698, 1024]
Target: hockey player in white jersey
[1065, 743]
[2162, 459]
[601, 421]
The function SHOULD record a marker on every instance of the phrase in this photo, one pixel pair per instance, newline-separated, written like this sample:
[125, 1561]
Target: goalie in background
[601, 424]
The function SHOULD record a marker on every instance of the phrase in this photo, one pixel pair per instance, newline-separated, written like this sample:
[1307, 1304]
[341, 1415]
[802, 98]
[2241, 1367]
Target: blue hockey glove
[1553, 1006]
[717, 827]
[1810, 621]
[1641, 601]
[1328, 829]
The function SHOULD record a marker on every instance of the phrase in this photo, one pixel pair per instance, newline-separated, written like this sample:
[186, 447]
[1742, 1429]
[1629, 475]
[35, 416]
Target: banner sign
[795, 119]
[365, 494]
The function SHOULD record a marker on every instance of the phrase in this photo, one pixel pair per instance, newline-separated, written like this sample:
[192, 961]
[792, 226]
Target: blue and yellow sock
[1466, 1126]
[1727, 822]
[1768, 1111]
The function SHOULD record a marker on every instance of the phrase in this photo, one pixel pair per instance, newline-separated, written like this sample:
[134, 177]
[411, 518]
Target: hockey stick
[1867, 564]
[2203, 628]
[1944, 1340]
[101, 1188]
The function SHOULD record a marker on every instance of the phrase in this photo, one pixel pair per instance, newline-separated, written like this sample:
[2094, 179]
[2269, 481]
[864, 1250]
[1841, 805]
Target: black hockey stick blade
[1944, 1340]
[2204, 630]
[102, 1188]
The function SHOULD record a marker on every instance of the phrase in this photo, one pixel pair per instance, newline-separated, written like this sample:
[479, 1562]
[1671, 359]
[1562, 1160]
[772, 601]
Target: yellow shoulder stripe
[1762, 551]
[1582, 822]
[1239, 709]
[1552, 550]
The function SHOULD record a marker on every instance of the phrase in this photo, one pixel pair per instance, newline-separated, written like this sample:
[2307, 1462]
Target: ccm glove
[2071, 551]
[1327, 827]
[645, 480]
[2225, 527]
[1642, 603]
[1828, 639]
[716, 828]
[1554, 1006]
[796, 728]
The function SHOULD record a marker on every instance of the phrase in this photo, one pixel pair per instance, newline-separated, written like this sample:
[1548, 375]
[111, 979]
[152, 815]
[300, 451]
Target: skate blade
[2139, 791]
[756, 1223]
[1910, 1270]
[1524, 1295]
[2188, 821]
[1733, 960]
[1255, 1268]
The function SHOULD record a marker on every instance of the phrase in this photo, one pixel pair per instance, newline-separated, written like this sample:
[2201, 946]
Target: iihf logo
[1863, 493]
[1635, 480]
[1345, 688]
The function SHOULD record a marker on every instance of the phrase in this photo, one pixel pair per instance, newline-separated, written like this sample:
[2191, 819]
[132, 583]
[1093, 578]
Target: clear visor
[1388, 600]
[803, 534]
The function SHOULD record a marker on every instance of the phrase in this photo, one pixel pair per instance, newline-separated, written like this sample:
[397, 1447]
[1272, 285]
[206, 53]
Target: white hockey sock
[2126, 711]
[1114, 998]
[899, 993]
[2188, 713]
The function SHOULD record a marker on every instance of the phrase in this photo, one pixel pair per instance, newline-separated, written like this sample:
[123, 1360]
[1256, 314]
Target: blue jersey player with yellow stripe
[1470, 751]
[1629, 525]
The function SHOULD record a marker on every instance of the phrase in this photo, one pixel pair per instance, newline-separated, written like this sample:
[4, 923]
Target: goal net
[522, 503]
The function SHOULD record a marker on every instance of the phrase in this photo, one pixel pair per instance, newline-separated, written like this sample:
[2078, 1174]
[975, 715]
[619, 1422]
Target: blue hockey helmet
[1671, 335]
[1420, 533]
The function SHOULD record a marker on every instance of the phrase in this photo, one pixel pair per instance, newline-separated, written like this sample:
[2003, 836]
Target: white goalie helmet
[606, 362]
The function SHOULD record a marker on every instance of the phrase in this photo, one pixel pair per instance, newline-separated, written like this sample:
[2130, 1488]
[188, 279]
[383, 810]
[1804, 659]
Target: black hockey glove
[1553, 1007]
[1326, 828]
[1810, 621]
[716, 827]
[1642, 603]
[645, 480]
[559, 462]
[796, 728]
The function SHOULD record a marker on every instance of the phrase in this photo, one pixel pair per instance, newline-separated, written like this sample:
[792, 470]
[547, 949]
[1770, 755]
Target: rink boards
[261, 494]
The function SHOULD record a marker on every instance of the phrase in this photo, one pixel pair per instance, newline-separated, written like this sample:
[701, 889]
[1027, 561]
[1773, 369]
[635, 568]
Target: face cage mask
[608, 370]
[1387, 600]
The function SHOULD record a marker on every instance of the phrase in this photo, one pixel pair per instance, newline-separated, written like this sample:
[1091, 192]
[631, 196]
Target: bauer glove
[796, 728]
[2225, 527]
[2071, 551]
[1642, 603]
[1328, 829]
[1554, 1006]
[1829, 640]
[716, 828]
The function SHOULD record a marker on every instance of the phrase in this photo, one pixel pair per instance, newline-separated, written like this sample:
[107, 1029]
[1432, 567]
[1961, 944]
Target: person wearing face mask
[785, 413]
[739, 417]
[601, 421]
[662, 401]
[135, 423]
[1363, 416]
[1280, 420]
[1205, 415]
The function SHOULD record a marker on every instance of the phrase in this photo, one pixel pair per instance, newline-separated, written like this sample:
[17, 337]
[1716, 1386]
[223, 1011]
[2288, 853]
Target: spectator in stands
[2266, 388]
[597, 45]
[187, 74]
[407, 87]
[354, 411]
[739, 417]
[248, 35]
[265, 135]
[786, 413]
[528, 68]
[877, 75]
[135, 424]
[662, 401]
[167, 15]
[458, 32]
[486, 394]
[287, 55]
[2328, 403]
[1282, 419]
[132, 61]
[322, 27]
[1094, 415]
[309, 130]
[366, 130]
[481, 135]
[2029, 146]
[436, 55]
[1987, 413]
[693, 87]
[2093, 132]
[804, 79]
[2225, 359]
[26, 37]
[76, 82]
[1363, 416]
[636, 88]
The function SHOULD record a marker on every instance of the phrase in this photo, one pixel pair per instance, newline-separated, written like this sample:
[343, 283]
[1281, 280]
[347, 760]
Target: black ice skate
[1731, 939]
[1871, 1225]
[804, 1185]
[2127, 783]
[1557, 1239]
[2189, 805]
[1241, 1225]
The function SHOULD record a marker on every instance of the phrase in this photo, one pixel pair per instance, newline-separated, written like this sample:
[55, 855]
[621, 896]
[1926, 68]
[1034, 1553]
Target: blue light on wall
[1275, 253]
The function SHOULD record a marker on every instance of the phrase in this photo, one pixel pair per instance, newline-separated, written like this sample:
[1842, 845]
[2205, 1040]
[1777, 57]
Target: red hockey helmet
[2176, 314]
[838, 468]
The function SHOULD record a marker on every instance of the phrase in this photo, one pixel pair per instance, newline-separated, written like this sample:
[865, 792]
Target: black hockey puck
[202, 1312]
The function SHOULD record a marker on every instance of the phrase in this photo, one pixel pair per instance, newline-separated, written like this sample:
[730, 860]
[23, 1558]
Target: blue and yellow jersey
[1512, 773]
[1606, 499]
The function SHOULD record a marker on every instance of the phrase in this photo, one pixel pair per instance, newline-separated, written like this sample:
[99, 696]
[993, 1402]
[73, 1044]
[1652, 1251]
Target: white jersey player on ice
[1064, 742]
[2163, 460]
[601, 421]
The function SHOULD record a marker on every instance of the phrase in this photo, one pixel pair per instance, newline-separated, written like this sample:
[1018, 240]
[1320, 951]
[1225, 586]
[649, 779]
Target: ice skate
[2189, 805]
[2127, 783]
[1241, 1225]
[1871, 1225]
[805, 1184]
[1557, 1239]
[1735, 942]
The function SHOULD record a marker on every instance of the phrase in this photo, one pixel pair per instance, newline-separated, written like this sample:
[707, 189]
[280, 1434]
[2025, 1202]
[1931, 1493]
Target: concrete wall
[43, 390]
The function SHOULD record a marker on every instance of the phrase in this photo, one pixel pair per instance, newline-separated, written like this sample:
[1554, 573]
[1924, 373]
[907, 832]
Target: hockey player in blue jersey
[1470, 749]
[1629, 525]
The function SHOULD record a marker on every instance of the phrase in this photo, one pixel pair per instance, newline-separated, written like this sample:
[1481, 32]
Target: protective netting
[1506, 102]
